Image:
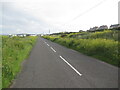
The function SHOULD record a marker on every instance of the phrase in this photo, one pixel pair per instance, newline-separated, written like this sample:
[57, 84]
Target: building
[93, 29]
[21, 35]
[33, 34]
[115, 26]
[103, 27]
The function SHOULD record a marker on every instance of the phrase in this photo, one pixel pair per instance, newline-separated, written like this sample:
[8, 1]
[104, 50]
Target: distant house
[13, 35]
[93, 29]
[21, 35]
[103, 27]
[115, 26]
[33, 35]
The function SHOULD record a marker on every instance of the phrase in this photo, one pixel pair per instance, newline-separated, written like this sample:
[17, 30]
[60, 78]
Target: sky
[44, 16]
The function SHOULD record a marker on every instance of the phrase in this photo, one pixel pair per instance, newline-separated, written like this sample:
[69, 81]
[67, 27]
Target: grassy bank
[14, 51]
[96, 44]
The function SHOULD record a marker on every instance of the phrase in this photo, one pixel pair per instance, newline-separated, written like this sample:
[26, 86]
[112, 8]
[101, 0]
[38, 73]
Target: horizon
[53, 32]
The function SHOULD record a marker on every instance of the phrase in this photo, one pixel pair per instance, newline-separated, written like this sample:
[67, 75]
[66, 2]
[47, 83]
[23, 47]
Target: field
[102, 45]
[14, 51]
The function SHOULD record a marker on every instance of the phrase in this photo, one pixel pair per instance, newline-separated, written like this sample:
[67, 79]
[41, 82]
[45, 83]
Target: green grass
[106, 34]
[14, 51]
[99, 45]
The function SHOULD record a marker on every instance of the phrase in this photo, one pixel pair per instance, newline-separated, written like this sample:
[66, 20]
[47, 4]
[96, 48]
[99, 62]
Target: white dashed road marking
[66, 62]
[48, 44]
[53, 49]
[71, 66]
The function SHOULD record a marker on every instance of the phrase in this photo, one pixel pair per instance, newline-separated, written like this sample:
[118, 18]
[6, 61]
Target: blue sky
[38, 16]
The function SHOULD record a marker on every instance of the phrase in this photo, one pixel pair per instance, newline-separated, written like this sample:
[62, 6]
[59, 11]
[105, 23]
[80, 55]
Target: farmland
[14, 51]
[102, 45]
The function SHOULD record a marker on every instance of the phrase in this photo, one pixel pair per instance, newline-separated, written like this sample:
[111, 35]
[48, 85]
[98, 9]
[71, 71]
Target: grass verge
[14, 51]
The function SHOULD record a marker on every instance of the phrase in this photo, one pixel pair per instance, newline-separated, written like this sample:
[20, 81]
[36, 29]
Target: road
[51, 65]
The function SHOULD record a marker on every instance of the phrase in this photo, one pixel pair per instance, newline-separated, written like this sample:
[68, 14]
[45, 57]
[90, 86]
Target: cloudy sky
[40, 16]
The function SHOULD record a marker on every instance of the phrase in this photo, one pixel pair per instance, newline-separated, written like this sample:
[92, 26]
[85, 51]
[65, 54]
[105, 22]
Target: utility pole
[49, 31]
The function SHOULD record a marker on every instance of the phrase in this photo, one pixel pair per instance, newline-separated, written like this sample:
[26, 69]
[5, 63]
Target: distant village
[96, 28]
[104, 27]
[22, 35]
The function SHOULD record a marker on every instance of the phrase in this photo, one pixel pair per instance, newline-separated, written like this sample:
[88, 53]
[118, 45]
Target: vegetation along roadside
[14, 51]
[102, 45]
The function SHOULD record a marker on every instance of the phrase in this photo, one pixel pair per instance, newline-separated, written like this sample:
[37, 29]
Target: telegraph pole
[49, 31]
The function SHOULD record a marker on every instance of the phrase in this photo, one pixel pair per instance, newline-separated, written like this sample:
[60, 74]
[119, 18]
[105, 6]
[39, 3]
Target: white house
[115, 26]
[103, 27]
[93, 29]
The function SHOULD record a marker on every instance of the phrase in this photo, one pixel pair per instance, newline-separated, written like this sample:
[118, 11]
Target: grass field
[102, 45]
[14, 51]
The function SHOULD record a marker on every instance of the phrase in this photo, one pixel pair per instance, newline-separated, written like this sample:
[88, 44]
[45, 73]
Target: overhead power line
[95, 6]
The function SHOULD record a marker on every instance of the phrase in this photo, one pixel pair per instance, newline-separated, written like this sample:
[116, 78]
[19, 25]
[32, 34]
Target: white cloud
[16, 21]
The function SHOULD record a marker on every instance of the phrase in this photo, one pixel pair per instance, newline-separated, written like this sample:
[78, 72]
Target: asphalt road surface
[51, 65]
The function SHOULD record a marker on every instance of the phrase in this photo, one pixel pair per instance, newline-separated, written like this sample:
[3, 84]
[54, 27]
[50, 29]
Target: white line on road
[53, 49]
[71, 66]
[48, 44]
